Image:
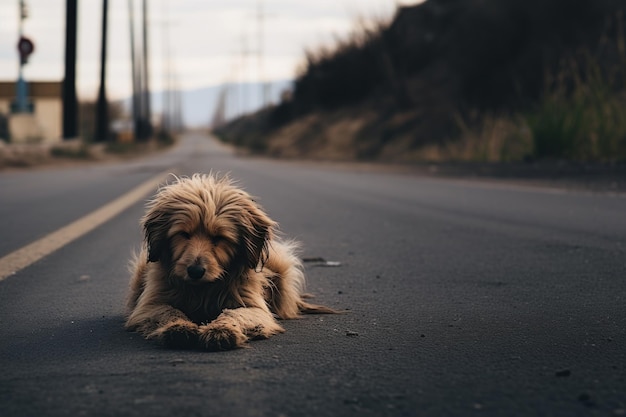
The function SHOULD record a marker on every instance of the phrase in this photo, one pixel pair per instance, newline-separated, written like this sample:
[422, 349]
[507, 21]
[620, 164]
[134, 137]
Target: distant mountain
[198, 105]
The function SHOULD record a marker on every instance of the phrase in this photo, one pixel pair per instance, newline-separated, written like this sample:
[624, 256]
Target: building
[45, 124]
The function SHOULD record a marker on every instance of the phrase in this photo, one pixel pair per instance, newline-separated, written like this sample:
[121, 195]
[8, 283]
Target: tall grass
[493, 139]
[582, 114]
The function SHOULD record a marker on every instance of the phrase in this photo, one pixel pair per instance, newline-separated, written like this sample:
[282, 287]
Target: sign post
[25, 47]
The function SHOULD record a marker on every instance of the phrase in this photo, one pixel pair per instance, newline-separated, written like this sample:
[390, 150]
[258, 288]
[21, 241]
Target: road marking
[31, 253]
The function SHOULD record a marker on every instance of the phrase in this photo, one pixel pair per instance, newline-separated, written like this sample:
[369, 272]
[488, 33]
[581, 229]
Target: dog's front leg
[234, 327]
[165, 324]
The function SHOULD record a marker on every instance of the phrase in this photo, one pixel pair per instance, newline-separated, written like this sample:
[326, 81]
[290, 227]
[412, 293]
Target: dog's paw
[221, 337]
[264, 332]
[179, 334]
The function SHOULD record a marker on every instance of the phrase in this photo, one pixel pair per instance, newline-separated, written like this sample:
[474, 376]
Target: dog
[212, 273]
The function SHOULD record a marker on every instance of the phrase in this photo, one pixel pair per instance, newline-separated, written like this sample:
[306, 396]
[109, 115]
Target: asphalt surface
[465, 298]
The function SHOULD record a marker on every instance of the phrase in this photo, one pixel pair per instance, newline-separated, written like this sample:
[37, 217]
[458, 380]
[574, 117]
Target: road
[465, 299]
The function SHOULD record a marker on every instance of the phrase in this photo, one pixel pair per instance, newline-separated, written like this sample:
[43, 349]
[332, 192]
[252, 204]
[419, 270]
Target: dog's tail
[308, 308]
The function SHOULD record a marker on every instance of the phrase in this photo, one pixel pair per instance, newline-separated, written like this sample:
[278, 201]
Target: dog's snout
[196, 271]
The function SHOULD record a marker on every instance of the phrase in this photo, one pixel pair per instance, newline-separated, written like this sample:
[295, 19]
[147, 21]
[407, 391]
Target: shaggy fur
[212, 274]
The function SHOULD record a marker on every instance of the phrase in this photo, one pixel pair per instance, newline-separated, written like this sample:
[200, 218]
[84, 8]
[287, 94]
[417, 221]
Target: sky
[209, 42]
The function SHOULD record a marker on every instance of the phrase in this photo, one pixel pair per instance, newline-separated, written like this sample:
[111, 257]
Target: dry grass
[318, 136]
[497, 139]
[36, 154]
[73, 152]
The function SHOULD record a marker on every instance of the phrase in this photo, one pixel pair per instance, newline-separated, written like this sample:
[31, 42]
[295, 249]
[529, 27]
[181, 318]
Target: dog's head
[204, 228]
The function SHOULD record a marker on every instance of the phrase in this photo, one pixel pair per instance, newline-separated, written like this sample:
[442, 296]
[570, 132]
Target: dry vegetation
[467, 80]
[69, 152]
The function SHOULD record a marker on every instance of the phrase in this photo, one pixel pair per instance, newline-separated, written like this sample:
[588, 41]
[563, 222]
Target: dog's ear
[155, 234]
[257, 229]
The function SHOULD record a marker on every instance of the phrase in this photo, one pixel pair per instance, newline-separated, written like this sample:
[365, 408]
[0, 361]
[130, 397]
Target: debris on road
[586, 399]
[177, 361]
[319, 261]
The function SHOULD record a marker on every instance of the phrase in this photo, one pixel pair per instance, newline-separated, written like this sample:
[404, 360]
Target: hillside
[486, 80]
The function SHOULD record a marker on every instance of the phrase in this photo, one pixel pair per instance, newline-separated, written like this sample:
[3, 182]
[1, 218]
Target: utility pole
[179, 106]
[102, 110]
[165, 126]
[245, 52]
[135, 74]
[146, 80]
[25, 47]
[264, 97]
[70, 103]
[166, 120]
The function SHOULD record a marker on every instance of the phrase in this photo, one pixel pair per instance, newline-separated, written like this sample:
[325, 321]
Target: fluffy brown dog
[212, 274]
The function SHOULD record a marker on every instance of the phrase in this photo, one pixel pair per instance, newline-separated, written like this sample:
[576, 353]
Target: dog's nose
[196, 271]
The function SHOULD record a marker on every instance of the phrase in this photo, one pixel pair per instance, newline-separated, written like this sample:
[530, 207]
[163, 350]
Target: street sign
[25, 47]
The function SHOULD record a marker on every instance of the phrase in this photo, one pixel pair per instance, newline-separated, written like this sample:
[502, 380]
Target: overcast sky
[206, 38]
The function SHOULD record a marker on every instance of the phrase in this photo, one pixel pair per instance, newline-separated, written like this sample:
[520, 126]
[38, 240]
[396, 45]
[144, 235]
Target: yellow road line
[31, 253]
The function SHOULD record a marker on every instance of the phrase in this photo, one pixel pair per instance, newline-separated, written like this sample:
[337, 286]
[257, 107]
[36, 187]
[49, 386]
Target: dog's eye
[217, 239]
[184, 235]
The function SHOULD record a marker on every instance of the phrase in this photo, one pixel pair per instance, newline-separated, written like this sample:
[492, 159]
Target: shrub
[581, 116]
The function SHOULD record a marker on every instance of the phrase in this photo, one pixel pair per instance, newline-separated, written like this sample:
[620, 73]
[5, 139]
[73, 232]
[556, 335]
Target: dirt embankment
[479, 80]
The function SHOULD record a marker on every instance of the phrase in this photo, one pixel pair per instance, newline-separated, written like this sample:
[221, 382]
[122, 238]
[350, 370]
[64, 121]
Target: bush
[582, 115]
[72, 152]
